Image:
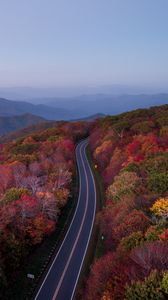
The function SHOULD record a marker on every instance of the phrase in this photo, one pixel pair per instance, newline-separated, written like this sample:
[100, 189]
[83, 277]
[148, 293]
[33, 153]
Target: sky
[47, 43]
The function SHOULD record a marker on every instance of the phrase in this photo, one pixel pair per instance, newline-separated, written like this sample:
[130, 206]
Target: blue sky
[83, 42]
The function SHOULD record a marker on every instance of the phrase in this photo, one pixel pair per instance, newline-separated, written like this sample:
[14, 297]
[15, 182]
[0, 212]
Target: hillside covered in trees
[12, 123]
[37, 166]
[131, 152]
[36, 174]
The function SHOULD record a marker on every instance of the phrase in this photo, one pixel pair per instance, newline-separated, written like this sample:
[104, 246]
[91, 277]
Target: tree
[60, 177]
[95, 138]
[134, 221]
[142, 146]
[61, 196]
[27, 207]
[32, 183]
[148, 289]
[164, 131]
[134, 147]
[40, 227]
[35, 168]
[125, 183]
[112, 216]
[100, 273]
[133, 240]
[48, 205]
[154, 232]
[143, 127]
[6, 178]
[158, 182]
[120, 127]
[7, 215]
[118, 157]
[160, 208]
[14, 194]
[150, 256]
[164, 235]
[158, 164]
[19, 171]
[35, 181]
[103, 153]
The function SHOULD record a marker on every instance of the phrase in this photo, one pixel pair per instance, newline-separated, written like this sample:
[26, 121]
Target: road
[61, 280]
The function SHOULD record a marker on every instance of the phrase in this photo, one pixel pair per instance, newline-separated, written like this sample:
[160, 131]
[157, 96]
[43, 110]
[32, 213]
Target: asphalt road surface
[61, 280]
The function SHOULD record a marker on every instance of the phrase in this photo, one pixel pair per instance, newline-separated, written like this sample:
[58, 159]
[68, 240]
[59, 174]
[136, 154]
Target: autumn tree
[125, 183]
[160, 208]
[6, 178]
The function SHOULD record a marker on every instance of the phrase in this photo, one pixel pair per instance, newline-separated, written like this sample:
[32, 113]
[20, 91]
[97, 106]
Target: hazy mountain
[106, 104]
[28, 93]
[13, 108]
[9, 124]
[82, 106]
[90, 118]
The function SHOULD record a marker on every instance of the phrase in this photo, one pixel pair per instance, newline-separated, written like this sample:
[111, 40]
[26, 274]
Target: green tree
[158, 182]
[149, 289]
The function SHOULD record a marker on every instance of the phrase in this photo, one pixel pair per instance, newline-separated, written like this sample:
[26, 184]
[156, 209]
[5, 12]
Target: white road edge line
[90, 229]
[79, 145]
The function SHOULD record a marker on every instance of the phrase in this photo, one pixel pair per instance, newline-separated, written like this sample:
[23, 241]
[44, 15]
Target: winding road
[61, 280]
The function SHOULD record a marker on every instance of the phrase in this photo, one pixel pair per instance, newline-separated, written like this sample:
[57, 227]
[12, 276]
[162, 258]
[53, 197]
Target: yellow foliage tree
[160, 208]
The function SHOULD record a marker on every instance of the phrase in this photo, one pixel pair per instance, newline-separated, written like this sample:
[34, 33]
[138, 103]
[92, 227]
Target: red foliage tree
[148, 257]
[100, 273]
[134, 221]
[112, 217]
[6, 178]
[103, 153]
[115, 165]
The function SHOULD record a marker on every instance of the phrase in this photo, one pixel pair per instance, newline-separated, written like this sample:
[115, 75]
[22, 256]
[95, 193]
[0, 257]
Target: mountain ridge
[13, 123]
[14, 108]
[82, 106]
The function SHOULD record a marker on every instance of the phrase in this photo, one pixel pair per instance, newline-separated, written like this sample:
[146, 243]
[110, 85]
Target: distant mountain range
[12, 123]
[16, 115]
[80, 107]
[106, 104]
[14, 108]
[27, 93]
